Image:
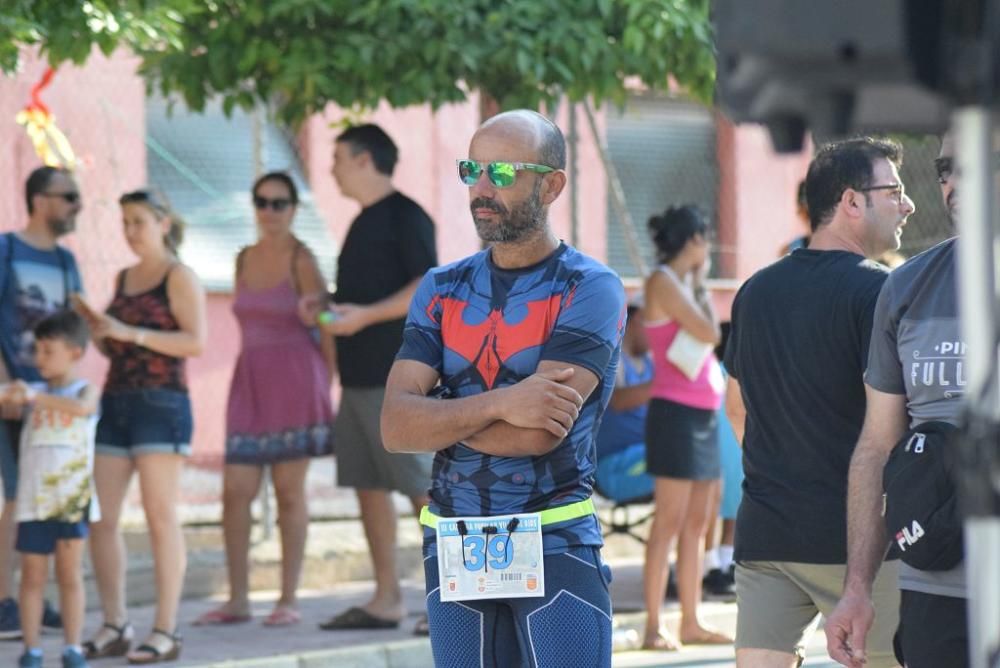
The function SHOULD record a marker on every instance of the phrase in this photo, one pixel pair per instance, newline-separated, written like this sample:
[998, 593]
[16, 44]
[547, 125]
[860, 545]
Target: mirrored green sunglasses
[500, 174]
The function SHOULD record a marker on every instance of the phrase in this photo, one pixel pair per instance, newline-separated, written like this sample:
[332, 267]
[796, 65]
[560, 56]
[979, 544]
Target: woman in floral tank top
[155, 321]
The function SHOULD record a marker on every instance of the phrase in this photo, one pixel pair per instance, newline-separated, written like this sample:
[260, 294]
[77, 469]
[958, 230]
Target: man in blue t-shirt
[37, 277]
[507, 364]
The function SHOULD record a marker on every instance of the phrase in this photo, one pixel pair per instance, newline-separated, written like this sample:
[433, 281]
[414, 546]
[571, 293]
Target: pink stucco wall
[758, 196]
[100, 109]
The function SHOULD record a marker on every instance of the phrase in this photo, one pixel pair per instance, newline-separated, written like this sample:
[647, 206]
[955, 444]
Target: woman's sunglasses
[277, 205]
[500, 174]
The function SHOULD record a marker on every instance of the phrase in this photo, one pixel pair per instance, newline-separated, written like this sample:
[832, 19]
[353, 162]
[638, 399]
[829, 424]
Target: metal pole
[979, 242]
[257, 142]
[574, 189]
[617, 195]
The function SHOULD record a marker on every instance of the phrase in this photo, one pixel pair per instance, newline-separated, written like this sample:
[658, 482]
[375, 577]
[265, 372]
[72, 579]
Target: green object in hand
[326, 317]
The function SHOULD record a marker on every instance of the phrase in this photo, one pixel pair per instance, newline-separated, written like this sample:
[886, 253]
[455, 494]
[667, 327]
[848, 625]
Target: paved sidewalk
[305, 646]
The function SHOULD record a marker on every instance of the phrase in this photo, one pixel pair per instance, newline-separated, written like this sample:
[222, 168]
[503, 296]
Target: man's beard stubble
[514, 225]
[61, 226]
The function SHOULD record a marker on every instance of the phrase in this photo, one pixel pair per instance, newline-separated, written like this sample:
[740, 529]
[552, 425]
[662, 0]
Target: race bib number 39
[490, 557]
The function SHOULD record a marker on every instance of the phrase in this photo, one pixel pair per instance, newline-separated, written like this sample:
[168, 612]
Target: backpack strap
[8, 263]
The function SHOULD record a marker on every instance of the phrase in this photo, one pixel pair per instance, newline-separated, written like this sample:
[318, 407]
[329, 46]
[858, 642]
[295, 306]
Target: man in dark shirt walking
[796, 356]
[389, 247]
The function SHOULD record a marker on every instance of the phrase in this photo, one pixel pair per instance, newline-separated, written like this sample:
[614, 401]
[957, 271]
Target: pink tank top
[670, 383]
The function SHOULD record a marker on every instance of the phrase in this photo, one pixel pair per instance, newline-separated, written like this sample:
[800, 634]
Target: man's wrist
[855, 587]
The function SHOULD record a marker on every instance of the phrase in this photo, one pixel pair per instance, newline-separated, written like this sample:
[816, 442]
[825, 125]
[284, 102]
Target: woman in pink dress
[279, 411]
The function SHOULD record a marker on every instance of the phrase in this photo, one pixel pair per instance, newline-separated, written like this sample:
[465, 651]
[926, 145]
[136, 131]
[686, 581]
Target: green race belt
[550, 516]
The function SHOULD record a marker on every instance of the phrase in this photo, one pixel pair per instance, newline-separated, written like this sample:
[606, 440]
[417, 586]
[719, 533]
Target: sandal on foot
[707, 637]
[282, 616]
[117, 645]
[220, 617]
[358, 618]
[155, 655]
[661, 643]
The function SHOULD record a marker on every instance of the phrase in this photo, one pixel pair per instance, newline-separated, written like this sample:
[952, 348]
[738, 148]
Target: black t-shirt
[389, 244]
[798, 347]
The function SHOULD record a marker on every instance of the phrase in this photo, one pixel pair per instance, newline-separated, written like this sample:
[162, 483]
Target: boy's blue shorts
[40, 537]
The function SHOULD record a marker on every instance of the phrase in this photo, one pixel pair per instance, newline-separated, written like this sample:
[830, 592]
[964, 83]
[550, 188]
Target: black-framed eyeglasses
[278, 204]
[945, 167]
[896, 191]
[68, 197]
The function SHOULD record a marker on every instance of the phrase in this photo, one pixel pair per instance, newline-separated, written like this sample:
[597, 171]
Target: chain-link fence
[664, 153]
[930, 224]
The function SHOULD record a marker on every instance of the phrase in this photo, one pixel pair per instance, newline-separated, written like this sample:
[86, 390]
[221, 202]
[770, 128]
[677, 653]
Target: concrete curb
[416, 653]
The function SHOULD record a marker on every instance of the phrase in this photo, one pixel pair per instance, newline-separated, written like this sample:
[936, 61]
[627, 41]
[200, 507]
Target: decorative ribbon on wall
[50, 143]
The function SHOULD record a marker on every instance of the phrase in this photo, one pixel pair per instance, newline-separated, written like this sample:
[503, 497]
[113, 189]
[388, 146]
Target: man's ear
[853, 203]
[553, 185]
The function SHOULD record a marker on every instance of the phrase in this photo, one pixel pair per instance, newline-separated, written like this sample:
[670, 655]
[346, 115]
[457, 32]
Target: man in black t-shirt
[388, 248]
[796, 357]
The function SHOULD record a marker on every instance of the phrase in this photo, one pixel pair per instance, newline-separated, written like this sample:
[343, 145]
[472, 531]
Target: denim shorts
[10, 437]
[40, 537]
[140, 422]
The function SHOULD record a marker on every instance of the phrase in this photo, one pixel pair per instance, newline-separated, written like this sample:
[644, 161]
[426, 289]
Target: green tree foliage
[67, 30]
[300, 55]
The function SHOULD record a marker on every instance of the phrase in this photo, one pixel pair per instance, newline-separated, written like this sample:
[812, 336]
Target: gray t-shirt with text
[917, 350]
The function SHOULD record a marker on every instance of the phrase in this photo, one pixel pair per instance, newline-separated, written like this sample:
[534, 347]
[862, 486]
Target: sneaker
[10, 621]
[73, 659]
[30, 660]
[51, 619]
[718, 583]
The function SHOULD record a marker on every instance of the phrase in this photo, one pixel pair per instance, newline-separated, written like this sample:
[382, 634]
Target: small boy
[55, 497]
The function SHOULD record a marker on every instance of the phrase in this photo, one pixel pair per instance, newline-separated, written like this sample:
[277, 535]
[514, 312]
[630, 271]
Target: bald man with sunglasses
[507, 364]
[37, 277]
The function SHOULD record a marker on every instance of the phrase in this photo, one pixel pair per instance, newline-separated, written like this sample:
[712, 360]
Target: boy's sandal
[116, 645]
[154, 654]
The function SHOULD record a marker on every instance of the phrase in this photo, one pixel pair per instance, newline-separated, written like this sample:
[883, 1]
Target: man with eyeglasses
[508, 362]
[389, 246]
[37, 277]
[796, 399]
[914, 377]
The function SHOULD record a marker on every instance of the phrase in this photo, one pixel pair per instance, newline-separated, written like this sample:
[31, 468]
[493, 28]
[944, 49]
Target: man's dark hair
[373, 139]
[842, 165]
[66, 325]
[38, 182]
[282, 178]
[672, 229]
